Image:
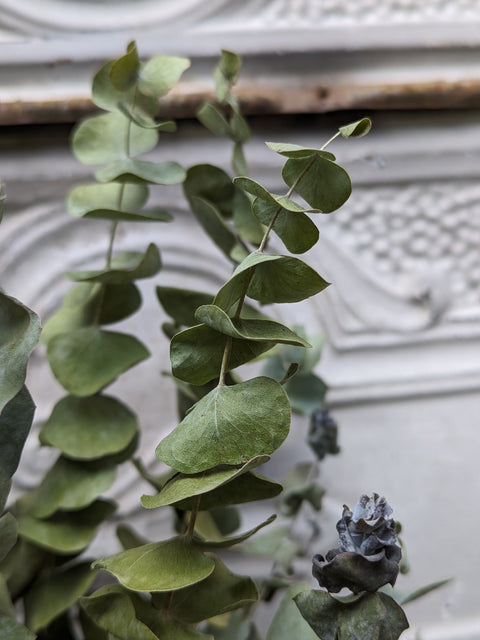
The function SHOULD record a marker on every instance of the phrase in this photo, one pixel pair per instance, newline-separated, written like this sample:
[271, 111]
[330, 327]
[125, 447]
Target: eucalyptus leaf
[287, 622]
[124, 71]
[178, 489]
[372, 616]
[159, 566]
[322, 183]
[85, 361]
[237, 628]
[180, 304]
[125, 267]
[12, 630]
[6, 606]
[240, 128]
[8, 534]
[245, 329]
[297, 151]
[70, 485]
[239, 162]
[229, 65]
[66, 532]
[212, 184]
[22, 565]
[123, 197]
[246, 223]
[296, 230]
[222, 591]
[230, 425]
[108, 137]
[144, 120]
[222, 543]
[89, 428]
[306, 393]
[160, 74]
[15, 422]
[213, 224]
[197, 353]
[19, 333]
[51, 596]
[356, 129]
[213, 120]
[107, 97]
[153, 172]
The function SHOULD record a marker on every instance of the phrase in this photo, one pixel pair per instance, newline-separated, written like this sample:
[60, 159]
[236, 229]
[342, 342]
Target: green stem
[193, 516]
[329, 141]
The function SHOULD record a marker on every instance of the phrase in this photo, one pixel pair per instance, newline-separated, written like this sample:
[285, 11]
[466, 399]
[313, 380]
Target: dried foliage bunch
[180, 588]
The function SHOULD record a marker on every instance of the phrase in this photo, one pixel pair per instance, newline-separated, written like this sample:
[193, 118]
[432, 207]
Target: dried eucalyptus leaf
[86, 360]
[89, 428]
[159, 566]
[230, 425]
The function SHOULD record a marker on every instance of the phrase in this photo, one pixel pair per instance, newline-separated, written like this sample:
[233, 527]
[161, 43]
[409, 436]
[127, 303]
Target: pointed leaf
[213, 120]
[296, 151]
[125, 267]
[69, 485]
[89, 428]
[85, 361]
[222, 591]
[244, 329]
[356, 129]
[66, 532]
[181, 487]
[373, 616]
[212, 222]
[124, 71]
[8, 534]
[109, 137]
[15, 422]
[322, 183]
[296, 230]
[51, 596]
[288, 623]
[11, 630]
[229, 65]
[19, 333]
[180, 304]
[153, 172]
[223, 543]
[230, 425]
[197, 353]
[107, 97]
[159, 566]
[160, 74]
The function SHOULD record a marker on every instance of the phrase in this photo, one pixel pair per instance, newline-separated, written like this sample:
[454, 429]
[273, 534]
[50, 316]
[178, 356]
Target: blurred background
[402, 317]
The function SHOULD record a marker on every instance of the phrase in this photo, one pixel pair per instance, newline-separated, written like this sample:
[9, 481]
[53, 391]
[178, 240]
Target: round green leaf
[159, 566]
[296, 230]
[213, 120]
[245, 329]
[153, 172]
[160, 74]
[51, 596]
[181, 486]
[125, 267]
[110, 137]
[230, 425]
[222, 591]
[85, 361]
[180, 304]
[66, 532]
[196, 353]
[373, 616]
[68, 485]
[211, 184]
[122, 197]
[107, 97]
[322, 183]
[124, 71]
[89, 428]
[19, 333]
[356, 129]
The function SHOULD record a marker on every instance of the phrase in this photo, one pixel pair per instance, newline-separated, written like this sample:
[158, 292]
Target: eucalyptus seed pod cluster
[368, 555]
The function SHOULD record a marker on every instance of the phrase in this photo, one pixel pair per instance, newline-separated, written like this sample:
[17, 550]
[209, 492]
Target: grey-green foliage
[228, 425]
